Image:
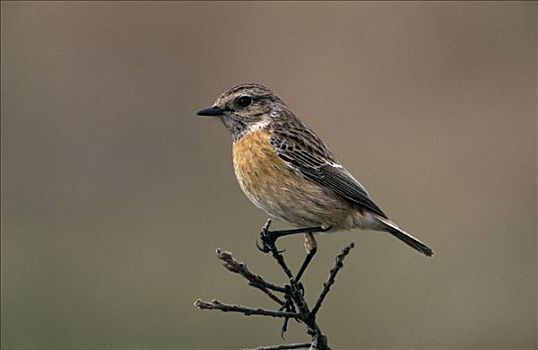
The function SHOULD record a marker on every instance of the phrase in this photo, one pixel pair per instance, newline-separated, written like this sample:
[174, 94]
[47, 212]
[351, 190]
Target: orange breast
[280, 191]
[258, 168]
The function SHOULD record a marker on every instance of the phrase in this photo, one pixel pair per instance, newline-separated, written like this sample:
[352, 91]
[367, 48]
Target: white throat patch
[262, 124]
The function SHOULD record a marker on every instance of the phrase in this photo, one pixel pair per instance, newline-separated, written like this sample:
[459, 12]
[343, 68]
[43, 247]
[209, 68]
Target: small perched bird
[284, 168]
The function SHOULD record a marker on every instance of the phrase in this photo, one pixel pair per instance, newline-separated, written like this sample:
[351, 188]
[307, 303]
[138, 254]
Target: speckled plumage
[282, 191]
[285, 169]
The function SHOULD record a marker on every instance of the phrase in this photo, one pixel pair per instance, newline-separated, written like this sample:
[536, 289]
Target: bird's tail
[405, 237]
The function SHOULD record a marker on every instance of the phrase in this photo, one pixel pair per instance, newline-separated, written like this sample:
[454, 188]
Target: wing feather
[304, 151]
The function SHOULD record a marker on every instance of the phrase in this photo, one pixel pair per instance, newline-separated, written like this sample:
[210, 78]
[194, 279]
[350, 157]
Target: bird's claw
[264, 248]
[267, 239]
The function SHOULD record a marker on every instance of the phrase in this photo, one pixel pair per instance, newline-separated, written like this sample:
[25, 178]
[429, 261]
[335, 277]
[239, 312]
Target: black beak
[212, 111]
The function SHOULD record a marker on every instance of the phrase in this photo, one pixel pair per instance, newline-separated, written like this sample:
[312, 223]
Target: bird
[286, 170]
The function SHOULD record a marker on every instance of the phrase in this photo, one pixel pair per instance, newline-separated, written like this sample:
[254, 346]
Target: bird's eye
[243, 101]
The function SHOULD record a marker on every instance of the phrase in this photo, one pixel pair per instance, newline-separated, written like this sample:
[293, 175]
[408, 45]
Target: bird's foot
[268, 239]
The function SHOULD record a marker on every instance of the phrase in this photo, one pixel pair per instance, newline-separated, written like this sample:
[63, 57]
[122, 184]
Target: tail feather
[405, 237]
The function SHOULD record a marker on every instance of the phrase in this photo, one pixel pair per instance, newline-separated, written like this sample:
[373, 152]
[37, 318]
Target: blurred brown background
[115, 195]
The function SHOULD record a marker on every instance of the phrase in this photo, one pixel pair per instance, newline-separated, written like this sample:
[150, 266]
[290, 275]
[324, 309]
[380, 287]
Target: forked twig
[245, 310]
[292, 303]
[254, 280]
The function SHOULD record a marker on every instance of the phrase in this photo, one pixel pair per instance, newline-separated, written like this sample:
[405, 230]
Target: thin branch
[245, 310]
[254, 280]
[280, 259]
[298, 298]
[283, 347]
[292, 303]
[274, 250]
[339, 263]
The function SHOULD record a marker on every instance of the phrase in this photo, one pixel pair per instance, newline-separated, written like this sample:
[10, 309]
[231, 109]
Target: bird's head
[246, 107]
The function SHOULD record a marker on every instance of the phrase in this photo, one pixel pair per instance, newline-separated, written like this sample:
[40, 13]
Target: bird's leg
[311, 248]
[269, 238]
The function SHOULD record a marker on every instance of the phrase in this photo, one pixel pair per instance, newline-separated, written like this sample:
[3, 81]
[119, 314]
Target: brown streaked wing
[304, 151]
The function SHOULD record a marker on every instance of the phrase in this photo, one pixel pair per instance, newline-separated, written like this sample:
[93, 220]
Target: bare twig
[319, 341]
[339, 263]
[292, 305]
[296, 295]
[254, 280]
[245, 310]
[283, 347]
